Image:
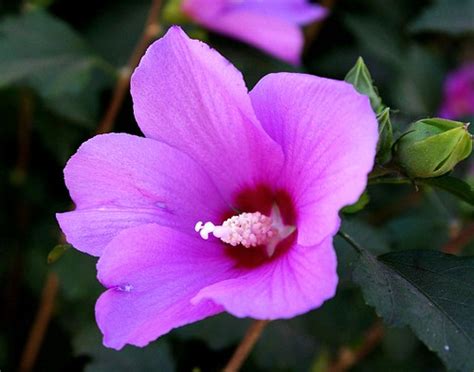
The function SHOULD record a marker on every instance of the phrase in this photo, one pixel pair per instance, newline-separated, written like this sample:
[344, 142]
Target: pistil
[249, 230]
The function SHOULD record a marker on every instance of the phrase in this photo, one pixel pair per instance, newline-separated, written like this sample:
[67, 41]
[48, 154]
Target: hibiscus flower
[271, 25]
[458, 94]
[230, 202]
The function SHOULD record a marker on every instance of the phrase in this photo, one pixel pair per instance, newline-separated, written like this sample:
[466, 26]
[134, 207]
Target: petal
[276, 36]
[118, 181]
[291, 284]
[294, 11]
[329, 134]
[151, 273]
[188, 96]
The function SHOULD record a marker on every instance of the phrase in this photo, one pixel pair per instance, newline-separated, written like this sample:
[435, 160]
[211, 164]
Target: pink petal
[274, 35]
[118, 181]
[152, 273]
[329, 134]
[271, 25]
[294, 11]
[188, 96]
[293, 283]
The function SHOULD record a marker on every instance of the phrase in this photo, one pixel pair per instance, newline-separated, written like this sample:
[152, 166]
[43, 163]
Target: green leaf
[453, 185]
[376, 38]
[120, 17]
[154, 357]
[359, 76]
[218, 332]
[371, 238]
[431, 292]
[39, 3]
[285, 345]
[447, 16]
[57, 252]
[332, 325]
[43, 52]
[358, 205]
[417, 86]
[77, 276]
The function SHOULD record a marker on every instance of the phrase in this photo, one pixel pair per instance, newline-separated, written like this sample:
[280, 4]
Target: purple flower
[260, 176]
[271, 25]
[458, 95]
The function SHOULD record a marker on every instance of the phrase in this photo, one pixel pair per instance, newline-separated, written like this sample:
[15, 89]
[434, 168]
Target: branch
[22, 211]
[25, 120]
[313, 30]
[40, 324]
[457, 243]
[246, 345]
[349, 358]
[150, 32]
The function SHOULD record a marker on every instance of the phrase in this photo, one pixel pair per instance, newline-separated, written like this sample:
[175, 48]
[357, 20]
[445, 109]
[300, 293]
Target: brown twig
[150, 32]
[246, 345]
[457, 243]
[50, 289]
[313, 30]
[25, 120]
[348, 358]
[40, 324]
[22, 212]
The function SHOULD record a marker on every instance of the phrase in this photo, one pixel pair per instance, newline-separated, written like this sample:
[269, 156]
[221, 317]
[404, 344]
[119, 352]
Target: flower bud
[433, 147]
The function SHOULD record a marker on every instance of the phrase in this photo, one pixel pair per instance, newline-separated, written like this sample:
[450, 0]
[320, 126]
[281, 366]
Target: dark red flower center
[262, 199]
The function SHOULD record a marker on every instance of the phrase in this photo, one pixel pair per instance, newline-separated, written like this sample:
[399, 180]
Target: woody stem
[246, 346]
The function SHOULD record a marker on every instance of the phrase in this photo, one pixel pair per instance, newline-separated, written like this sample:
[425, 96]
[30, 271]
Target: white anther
[204, 230]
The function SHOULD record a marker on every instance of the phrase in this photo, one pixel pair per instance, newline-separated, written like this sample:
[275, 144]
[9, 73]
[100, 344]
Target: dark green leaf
[448, 16]
[154, 357]
[45, 53]
[376, 38]
[418, 230]
[429, 291]
[218, 332]
[285, 345]
[103, 28]
[453, 185]
[332, 325]
[417, 87]
[39, 3]
[372, 239]
[77, 276]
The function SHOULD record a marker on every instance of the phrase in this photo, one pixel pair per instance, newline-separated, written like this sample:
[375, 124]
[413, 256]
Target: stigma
[249, 230]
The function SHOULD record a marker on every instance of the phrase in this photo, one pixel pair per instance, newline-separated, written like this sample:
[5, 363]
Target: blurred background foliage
[59, 61]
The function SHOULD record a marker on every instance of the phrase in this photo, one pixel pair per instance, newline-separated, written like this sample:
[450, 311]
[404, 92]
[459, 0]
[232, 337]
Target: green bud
[433, 147]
